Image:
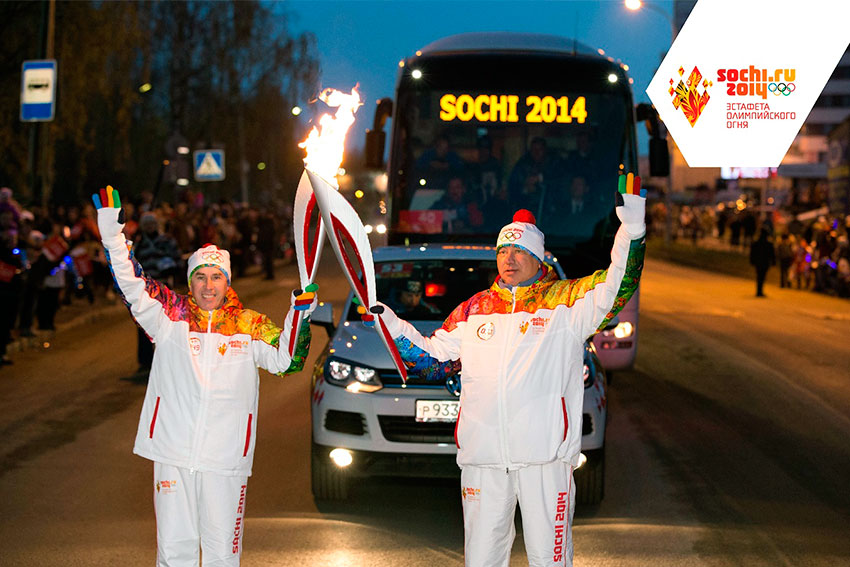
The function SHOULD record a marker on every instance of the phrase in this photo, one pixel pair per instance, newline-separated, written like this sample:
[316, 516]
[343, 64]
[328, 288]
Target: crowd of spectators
[812, 254]
[53, 258]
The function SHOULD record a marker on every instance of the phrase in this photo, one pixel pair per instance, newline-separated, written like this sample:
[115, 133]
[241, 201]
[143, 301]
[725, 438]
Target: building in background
[820, 149]
[838, 164]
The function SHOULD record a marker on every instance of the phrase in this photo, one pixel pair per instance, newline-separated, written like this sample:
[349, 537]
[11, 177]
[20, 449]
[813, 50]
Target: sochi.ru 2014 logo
[687, 95]
[751, 81]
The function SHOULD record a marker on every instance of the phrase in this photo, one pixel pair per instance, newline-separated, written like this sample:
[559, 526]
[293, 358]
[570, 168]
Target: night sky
[363, 41]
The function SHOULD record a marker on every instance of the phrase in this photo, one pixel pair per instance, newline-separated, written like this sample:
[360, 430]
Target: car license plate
[437, 410]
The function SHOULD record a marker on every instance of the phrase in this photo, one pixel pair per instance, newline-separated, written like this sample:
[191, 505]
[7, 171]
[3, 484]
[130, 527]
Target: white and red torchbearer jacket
[521, 351]
[200, 408]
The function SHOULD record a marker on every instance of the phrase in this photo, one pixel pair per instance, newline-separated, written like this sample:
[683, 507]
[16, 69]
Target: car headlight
[352, 377]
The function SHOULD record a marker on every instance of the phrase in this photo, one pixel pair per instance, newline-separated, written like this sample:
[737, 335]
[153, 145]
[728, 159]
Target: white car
[365, 422]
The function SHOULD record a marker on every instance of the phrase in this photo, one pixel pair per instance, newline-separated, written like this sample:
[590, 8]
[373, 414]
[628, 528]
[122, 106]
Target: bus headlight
[588, 376]
[624, 329]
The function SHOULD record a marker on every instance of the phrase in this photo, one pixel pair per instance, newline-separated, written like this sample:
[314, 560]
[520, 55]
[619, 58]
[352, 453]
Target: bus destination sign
[505, 108]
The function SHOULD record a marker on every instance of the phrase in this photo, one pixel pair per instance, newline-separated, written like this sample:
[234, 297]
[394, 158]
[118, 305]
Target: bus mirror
[659, 155]
[376, 137]
[659, 158]
[646, 113]
[374, 151]
[383, 111]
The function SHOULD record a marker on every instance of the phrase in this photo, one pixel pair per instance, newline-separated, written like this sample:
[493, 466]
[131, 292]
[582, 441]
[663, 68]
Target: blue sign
[38, 91]
[209, 165]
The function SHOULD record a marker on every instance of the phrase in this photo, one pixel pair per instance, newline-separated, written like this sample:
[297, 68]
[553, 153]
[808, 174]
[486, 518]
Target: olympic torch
[318, 189]
[325, 146]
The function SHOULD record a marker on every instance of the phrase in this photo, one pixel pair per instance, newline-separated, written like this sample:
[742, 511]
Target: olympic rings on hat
[782, 88]
[511, 235]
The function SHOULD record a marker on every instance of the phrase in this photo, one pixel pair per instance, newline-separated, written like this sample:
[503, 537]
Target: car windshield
[429, 290]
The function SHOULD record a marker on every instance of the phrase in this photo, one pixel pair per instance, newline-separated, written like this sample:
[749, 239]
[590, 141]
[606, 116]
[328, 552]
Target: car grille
[345, 422]
[392, 378]
[404, 429]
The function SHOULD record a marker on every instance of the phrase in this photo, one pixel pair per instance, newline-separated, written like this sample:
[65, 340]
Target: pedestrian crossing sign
[209, 165]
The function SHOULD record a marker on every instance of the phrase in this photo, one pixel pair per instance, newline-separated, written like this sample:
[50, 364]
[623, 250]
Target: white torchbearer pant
[546, 496]
[198, 510]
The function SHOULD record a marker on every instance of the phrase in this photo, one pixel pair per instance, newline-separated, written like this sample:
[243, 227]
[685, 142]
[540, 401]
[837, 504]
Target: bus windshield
[478, 136]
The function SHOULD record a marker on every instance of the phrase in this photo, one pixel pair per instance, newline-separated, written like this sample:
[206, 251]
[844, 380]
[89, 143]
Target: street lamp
[635, 5]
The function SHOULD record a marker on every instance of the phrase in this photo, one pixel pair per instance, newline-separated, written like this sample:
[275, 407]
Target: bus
[484, 124]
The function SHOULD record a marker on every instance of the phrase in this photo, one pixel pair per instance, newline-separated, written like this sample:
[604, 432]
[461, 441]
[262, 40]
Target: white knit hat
[523, 233]
[210, 255]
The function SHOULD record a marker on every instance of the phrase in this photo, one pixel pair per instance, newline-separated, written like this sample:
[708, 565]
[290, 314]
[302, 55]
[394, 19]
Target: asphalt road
[727, 445]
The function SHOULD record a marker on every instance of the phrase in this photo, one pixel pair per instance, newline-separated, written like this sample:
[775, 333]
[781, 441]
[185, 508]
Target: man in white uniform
[199, 418]
[520, 344]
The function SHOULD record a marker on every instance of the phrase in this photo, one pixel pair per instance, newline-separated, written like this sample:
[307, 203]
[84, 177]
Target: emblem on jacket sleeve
[195, 345]
[485, 331]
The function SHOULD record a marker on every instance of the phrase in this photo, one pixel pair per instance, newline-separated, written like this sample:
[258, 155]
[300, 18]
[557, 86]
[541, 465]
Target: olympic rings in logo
[213, 256]
[511, 235]
[782, 88]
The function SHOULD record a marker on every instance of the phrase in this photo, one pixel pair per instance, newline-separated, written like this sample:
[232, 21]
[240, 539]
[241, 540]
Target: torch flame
[325, 145]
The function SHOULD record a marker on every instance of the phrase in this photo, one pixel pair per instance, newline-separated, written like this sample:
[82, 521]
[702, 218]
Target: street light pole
[635, 5]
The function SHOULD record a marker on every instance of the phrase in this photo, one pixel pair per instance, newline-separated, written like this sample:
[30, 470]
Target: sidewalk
[714, 255]
[80, 312]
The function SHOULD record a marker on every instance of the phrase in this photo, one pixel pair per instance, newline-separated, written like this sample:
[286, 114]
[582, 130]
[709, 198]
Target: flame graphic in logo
[222, 348]
[687, 96]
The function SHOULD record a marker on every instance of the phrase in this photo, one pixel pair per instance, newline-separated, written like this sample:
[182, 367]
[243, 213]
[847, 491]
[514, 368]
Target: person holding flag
[520, 346]
[199, 417]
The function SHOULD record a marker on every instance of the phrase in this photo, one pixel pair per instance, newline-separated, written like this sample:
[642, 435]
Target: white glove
[108, 206]
[632, 213]
[305, 300]
[390, 319]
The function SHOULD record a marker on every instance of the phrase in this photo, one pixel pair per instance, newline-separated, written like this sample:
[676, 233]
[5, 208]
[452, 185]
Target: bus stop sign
[38, 91]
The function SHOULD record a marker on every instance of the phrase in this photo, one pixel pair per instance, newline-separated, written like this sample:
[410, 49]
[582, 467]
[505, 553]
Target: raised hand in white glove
[631, 205]
[110, 215]
[306, 300]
